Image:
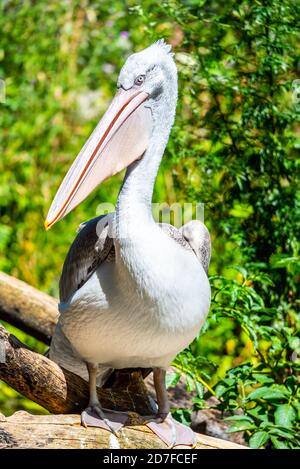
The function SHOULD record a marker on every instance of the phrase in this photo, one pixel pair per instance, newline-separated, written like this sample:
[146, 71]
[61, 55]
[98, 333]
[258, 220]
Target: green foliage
[234, 146]
[266, 390]
[270, 410]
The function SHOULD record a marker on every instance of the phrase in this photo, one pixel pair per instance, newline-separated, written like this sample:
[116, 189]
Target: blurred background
[234, 147]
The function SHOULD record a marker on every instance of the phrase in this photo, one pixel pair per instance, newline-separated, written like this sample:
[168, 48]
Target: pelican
[133, 293]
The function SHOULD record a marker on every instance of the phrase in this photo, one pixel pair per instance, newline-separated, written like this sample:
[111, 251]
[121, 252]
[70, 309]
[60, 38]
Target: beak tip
[47, 225]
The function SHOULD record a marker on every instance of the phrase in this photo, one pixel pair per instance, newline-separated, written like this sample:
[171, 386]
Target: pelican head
[146, 84]
[151, 71]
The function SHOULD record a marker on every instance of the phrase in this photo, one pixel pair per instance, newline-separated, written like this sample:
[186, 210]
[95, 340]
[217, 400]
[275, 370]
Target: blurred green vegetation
[234, 147]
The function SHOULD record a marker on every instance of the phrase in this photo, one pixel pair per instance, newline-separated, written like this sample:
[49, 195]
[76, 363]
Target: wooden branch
[23, 430]
[27, 308]
[59, 390]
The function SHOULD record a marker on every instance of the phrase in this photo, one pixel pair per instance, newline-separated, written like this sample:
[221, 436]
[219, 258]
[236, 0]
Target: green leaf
[296, 405]
[199, 389]
[284, 433]
[258, 393]
[278, 261]
[267, 393]
[5, 232]
[258, 439]
[275, 394]
[240, 269]
[182, 416]
[238, 418]
[263, 379]
[278, 444]
[172, 379]
[190, 383]
[259, 413]
[284, 415]
[241, 426]
[220, 390]
[294, 342]
[240, 423]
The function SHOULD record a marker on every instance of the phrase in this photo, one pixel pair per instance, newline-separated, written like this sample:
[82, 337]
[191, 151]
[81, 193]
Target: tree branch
[23, 430]
[27, 308]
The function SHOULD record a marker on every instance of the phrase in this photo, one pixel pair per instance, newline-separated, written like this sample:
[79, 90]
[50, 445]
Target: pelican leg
[94, 415]
[162, 424]
[163, 406]
[159, 378]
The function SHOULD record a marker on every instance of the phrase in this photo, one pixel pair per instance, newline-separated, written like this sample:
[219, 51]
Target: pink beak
[121, 137]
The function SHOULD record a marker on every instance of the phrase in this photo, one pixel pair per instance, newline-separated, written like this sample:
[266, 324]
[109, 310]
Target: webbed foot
[95, 416]
[171, 432]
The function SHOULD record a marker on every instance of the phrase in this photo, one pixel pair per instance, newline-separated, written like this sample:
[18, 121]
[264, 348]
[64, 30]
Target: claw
[83, 422]
[156, 418]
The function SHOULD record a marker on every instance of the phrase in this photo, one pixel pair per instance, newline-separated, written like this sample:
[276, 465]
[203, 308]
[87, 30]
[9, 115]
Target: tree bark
[27, 308]
[23, 430]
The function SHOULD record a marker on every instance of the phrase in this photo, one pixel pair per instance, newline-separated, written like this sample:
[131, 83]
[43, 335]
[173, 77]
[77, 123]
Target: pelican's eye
[139, 80]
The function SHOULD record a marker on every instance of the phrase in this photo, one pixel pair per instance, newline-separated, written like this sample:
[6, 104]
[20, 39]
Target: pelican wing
[193, 236]
[91, 247]
[176, 235]
[197, 236]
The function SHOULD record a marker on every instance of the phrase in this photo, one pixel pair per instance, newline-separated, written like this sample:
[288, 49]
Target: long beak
[121, 137]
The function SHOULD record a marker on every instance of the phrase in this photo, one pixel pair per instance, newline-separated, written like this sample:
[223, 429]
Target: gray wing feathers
[197, 235]
[175, 234]
[193, 236]
[90, 248]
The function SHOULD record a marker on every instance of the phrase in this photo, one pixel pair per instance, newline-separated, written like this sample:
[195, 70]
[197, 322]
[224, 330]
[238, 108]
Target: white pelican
[132, 293]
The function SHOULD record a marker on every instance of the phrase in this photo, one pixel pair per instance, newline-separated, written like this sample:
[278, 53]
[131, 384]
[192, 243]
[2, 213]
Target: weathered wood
[23, 430]
[59, 390]
[27, 308]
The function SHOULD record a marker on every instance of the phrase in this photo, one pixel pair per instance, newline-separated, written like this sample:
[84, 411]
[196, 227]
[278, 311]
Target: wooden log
[59, 390]
[27, 308]
[23, 430]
